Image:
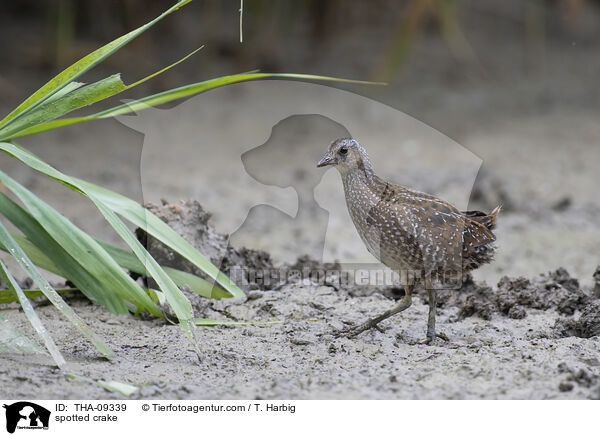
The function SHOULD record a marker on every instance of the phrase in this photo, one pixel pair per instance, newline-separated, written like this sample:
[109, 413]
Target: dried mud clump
[307, 268]
[472, 299]
[477, 300]
[249, 269]
[306, 263]
[583, 378]
[555, 290]
[191, 221]
[586, 326]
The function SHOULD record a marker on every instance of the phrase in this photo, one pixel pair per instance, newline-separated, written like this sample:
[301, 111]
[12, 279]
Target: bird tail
[494, 214]
[488, 220]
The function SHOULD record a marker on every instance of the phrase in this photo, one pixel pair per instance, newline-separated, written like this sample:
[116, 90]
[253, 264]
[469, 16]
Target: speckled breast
[383, 230]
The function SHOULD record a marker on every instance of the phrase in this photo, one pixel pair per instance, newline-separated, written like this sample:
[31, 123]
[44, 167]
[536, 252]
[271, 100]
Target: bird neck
[362, 174]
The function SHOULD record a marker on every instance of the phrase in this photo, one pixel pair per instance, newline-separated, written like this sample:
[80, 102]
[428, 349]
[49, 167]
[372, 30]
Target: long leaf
[74, 97]
[130, 210]
[13, 341]
[34, 253]
[112, 386]
[19, 255]
[168, 67]
[30, 227]
[174, 94]
[31, 315]
[62, 263]
[82, 247]
[78, 68]
[154, 226]
[196, 284]
[6, 296]
[180, 304]
[57, 107]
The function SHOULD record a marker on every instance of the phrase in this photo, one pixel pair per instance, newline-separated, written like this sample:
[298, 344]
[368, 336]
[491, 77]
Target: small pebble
[565, 387]
[254, 295]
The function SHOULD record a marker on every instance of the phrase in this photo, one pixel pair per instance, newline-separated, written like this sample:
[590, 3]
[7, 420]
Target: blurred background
[428, 50]
[514, 81]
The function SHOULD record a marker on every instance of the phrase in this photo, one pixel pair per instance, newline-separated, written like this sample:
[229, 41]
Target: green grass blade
[33, 253]
[177, 93]
[58, 107]
[28, 308]
[13, 341]
[196, 88]
[82, 247]
[7, 296]
[70, 87]
[177, 300]
[154, 226]
[196, 284]
[50, 125]
[73, 97]
[128, 209]
[62, 263]
[112, 386]
[78, 68]
[19, 255]
[79, 276]
[168, 67]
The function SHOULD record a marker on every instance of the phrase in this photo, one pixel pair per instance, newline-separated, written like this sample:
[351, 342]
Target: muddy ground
[535, 337]
[524, 338]
[499, 358]
[524, 327]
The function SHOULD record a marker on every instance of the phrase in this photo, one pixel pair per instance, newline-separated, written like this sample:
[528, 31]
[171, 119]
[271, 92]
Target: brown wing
[438, 221]
[476, 234]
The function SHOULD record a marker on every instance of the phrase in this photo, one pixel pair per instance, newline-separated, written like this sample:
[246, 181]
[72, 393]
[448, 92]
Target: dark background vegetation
[426, 49]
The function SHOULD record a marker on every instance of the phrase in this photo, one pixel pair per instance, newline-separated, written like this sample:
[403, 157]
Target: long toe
[354, 331]
[443, 336]
[346, 332]
[431, 338]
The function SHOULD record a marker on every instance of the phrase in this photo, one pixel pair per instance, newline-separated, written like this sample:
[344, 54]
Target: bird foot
[351, 332]
[431, 337]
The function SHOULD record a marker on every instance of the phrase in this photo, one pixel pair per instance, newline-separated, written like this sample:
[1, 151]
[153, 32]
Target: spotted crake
[409, 231]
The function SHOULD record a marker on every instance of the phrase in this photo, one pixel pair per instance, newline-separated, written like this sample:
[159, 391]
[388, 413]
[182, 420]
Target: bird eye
[343, 150]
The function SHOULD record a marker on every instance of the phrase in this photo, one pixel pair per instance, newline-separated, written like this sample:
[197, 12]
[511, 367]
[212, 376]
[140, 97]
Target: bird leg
[431, 334]
[373, 322]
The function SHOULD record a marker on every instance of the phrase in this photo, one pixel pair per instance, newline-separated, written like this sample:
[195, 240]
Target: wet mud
[524, 337]
[512, 297]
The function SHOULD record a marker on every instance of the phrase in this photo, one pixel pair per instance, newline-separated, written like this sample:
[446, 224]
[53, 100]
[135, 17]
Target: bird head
[347, 155]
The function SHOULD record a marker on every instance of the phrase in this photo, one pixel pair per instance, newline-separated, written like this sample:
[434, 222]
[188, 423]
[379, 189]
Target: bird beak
[325, 160]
